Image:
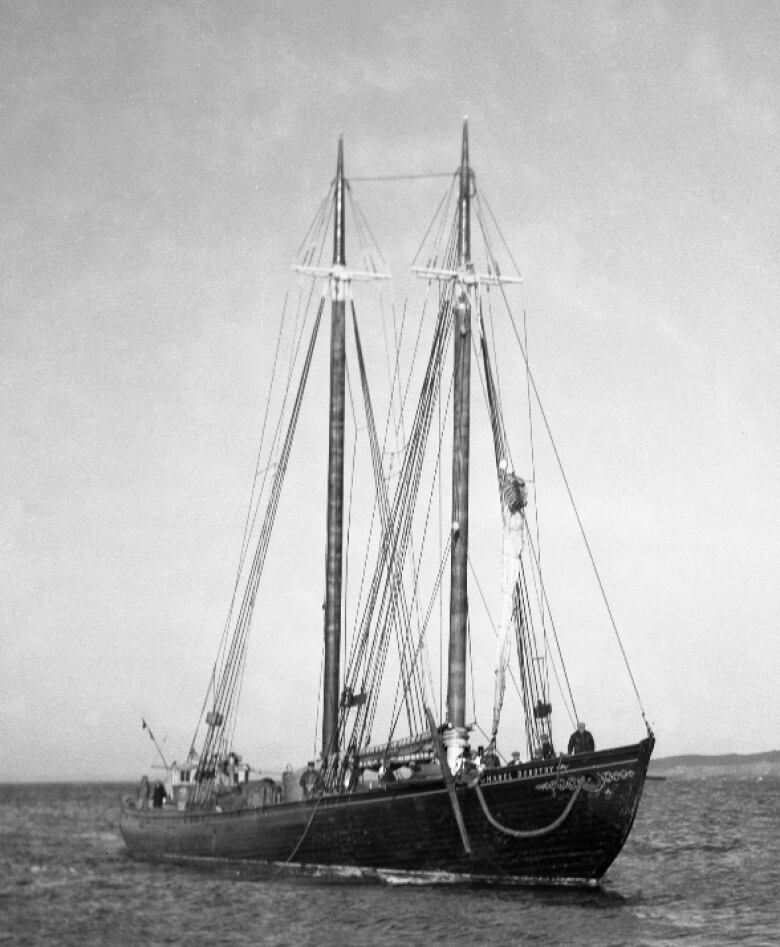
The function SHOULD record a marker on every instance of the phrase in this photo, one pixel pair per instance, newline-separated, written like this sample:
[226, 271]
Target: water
[702, 866]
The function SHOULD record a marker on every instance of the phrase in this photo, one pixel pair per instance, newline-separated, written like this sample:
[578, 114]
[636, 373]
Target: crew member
[581, 741]
[547, 748]
[158, 795]
[308, 780]
[144, 791]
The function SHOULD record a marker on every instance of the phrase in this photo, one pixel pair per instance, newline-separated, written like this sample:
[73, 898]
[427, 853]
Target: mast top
[464, 211]
[339, 254]
[337, 271]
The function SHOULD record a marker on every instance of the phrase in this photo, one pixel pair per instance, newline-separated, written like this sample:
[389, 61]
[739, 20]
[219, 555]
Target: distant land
[727, 765]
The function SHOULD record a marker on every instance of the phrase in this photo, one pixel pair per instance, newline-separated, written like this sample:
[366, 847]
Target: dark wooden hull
[410, 826]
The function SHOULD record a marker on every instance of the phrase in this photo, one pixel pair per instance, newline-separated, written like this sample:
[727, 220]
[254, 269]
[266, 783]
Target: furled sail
[514, 498]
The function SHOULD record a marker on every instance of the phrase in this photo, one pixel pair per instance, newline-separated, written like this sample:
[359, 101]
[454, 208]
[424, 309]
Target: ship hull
[563, 820]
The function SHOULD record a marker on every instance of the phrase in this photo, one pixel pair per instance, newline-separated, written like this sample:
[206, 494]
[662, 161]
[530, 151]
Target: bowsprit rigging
[394, 785]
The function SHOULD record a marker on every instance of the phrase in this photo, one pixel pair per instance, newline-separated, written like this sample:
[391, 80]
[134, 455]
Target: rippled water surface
[702, 866]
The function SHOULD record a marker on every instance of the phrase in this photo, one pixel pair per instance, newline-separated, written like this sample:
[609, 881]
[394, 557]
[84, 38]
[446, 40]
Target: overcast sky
[159, 164]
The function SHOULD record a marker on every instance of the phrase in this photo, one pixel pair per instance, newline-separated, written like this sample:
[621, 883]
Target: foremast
[455, 736]
[335, 516]
[465, 284]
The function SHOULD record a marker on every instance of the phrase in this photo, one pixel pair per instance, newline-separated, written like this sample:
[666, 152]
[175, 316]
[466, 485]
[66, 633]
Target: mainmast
[455, 737]
[331, 670]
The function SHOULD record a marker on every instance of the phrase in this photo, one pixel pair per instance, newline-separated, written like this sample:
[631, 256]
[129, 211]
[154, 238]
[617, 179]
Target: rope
[384, 610]
[580, 524]
[225, 697]
[531, 387]
[401, 177]
[529, 833]
[305, 832]
[327, 754]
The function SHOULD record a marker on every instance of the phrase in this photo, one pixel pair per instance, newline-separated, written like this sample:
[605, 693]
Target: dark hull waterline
[544, 822]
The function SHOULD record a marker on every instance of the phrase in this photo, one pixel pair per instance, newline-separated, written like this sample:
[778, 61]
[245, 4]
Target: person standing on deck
[308, 780]
[581, 741]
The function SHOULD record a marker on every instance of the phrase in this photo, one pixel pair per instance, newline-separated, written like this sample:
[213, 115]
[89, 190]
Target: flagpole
[146, 726]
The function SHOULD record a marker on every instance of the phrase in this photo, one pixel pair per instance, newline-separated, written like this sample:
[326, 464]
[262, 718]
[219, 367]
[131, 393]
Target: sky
[159, 165]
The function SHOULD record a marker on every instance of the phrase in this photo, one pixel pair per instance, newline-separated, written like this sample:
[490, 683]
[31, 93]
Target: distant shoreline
[722, 759]
[728, 765]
